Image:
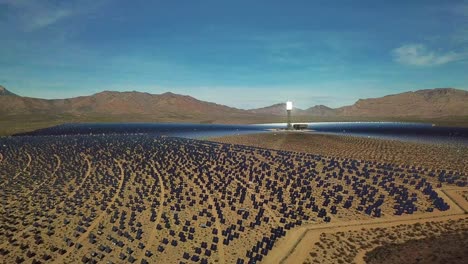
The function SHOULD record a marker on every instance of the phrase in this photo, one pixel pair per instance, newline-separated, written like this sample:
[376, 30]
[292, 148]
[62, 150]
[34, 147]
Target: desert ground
[444, 248]
[269, 198]
[392, 239]
[429, 156]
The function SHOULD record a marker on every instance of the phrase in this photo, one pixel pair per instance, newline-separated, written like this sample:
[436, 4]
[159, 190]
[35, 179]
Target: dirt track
[96, 221]
[453, 194]
[59, 163]
[152, 236]
[36, 188]
[221, 252]
[183, 199]
[383, 151]
[25, 168]
[86, 176]
[294, 248]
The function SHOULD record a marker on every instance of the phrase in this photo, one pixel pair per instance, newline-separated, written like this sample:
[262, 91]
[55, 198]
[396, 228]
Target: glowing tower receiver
[289, 107]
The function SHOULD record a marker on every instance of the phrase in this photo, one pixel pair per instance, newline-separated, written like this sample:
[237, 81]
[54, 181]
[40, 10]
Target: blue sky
[239, 53]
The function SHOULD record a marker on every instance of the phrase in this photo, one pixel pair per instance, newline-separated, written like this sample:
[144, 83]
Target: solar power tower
[289, 107]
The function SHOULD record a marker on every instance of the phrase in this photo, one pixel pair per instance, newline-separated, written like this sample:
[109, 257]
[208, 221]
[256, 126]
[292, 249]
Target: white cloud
[419, 55]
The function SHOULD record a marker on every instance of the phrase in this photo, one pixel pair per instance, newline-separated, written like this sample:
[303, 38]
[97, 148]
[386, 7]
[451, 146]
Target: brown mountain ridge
[135, 106]
[427, 103]
[4, 91]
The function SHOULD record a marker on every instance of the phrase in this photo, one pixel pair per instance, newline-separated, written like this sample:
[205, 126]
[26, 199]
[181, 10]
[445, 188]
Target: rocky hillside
[108, 103]
[423, 103]
[4, 91]
[321, 110]
[169, 107]
[430, 103]
[277, 110]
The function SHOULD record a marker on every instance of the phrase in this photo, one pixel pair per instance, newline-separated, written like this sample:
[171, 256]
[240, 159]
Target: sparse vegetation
[437, 157]
[445, 248]
[412, 244]
[134, 197]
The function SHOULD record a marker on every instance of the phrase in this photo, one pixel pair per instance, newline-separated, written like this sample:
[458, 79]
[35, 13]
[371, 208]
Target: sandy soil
[445, 248]
[133, 198]
[25, 168]
[153, 233]
[345, 246]
[456, 195]
[437, 157]
[46, 180]
[296, 246]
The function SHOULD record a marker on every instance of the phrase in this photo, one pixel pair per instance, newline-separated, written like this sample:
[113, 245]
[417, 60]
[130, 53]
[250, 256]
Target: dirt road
[25, 168]
[294, 248]
[59, 163]
[95, 223]
[162, 191]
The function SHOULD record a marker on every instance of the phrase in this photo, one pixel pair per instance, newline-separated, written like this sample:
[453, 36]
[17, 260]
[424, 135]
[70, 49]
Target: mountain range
[110, 106]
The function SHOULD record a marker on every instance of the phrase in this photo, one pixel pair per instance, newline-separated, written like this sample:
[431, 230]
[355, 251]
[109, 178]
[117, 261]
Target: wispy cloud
[50, 18]
[32, 15]
[420, 55]
[311, 47]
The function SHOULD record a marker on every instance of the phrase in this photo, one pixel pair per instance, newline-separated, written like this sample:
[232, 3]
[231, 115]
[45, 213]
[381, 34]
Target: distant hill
[277, 109]
[427, 103]
[321, 110]
[4, 91]
[142, 106]
[19, 113]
